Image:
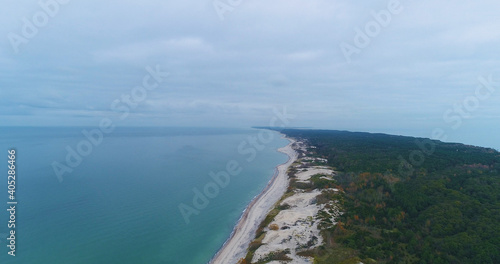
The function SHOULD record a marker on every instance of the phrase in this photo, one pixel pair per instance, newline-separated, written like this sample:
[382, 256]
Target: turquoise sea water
[121, 204]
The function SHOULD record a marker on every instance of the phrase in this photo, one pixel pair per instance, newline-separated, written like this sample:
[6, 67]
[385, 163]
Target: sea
[130, 195]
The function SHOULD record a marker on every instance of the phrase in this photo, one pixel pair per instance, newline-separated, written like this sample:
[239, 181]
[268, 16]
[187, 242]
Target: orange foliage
[341, 226]
[401, 216]
[274, 227]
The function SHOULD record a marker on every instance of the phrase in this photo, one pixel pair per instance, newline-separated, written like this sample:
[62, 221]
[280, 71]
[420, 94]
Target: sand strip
[236, 246]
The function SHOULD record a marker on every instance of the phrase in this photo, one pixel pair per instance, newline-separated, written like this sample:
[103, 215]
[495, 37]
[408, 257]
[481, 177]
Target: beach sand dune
[236, 246]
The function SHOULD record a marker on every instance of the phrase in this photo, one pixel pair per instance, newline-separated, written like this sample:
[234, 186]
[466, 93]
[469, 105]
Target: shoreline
[243, 233]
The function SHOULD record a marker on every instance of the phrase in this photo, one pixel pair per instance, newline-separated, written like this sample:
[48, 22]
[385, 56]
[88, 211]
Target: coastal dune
[236, 246]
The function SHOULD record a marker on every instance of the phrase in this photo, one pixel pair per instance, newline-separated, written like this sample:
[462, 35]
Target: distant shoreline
[236, 246]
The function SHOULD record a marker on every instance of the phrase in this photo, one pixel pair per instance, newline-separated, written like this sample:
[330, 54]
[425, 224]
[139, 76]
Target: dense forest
[409, 200]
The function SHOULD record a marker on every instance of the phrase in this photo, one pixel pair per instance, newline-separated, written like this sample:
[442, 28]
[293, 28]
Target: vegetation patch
[445, 210]
[277, 255]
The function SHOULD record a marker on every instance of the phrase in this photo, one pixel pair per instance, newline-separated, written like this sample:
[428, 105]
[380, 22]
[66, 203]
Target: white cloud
[265, 53]
[304, 55]
[142, 51]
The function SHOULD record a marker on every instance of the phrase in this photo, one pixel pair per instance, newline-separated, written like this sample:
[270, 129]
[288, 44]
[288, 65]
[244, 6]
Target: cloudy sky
[403, 67]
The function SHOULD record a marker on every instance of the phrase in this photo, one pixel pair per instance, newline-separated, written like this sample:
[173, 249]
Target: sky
[400, 67]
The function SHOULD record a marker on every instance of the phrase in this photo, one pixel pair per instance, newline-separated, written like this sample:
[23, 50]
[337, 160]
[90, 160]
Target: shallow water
[121, 204]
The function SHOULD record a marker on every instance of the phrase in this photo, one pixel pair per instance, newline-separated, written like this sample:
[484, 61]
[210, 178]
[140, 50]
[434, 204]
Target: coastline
[236, 246]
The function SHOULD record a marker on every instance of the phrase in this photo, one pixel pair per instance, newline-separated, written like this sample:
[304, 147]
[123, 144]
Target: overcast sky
[231, 62]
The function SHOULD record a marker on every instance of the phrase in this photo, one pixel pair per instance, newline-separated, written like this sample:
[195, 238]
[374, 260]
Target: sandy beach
[296, 226]
[236, 246]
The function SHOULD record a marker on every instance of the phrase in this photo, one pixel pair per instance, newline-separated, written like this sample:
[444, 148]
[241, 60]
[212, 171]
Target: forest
[408, 200]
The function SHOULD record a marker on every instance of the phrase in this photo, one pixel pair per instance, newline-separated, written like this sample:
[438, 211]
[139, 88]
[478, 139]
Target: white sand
[305, 176]
[300, 228]
[297, 225]
[236, 246]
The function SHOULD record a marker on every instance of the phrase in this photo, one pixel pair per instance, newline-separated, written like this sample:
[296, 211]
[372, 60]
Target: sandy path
[236, 246]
